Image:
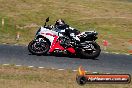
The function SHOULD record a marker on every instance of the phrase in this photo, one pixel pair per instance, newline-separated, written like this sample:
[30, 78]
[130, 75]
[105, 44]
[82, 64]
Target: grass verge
[23, 77]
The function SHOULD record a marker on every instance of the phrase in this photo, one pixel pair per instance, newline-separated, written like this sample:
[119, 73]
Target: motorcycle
[48, 41]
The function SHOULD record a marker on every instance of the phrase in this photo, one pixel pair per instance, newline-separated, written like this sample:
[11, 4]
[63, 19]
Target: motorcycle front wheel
[37, 48]
[92, 51]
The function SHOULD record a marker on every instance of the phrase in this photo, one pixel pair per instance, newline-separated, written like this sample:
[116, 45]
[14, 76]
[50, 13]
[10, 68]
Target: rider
[63, 28]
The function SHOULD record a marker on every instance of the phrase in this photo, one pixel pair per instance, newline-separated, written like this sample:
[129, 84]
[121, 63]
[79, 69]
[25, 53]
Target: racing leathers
[67, 33]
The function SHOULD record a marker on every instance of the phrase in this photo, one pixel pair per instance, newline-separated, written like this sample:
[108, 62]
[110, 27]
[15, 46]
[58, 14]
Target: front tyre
[38, 48]
[92, 50]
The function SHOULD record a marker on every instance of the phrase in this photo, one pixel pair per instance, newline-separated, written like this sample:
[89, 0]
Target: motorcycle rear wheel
[90, 54]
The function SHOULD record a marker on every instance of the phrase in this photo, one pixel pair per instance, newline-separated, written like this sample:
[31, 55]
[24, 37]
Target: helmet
[60, 22]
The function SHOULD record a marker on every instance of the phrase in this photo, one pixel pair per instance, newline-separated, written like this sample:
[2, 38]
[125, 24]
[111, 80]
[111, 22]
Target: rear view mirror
[47, 19]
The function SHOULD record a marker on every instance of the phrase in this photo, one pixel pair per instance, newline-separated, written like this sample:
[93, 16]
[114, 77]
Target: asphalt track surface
[107, 63]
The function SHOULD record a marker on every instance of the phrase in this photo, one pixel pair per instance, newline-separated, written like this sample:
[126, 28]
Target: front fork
[38, 40]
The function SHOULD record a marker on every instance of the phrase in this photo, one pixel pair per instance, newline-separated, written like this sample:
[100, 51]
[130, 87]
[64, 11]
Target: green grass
[113, 17]
[23, 77]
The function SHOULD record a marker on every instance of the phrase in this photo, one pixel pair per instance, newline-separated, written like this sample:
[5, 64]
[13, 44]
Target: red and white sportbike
[48, 41]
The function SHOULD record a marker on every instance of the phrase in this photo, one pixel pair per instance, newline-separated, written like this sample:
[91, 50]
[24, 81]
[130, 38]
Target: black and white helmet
[60, 24]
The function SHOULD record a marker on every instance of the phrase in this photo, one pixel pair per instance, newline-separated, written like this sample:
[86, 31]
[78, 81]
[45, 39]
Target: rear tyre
[38, 49]
[93, 53]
